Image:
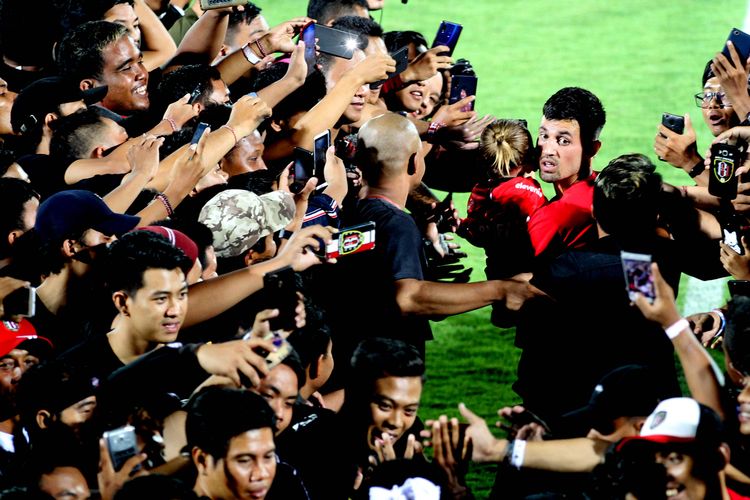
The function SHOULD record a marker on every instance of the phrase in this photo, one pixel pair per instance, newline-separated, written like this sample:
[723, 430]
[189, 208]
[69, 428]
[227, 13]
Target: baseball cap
[627, 391]
[72, 212]
[238, 219]
[15, 333]
[679, 421]
[177, 238]
[43, 96]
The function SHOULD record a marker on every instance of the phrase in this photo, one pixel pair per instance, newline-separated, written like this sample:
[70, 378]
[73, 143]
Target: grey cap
[238, 218]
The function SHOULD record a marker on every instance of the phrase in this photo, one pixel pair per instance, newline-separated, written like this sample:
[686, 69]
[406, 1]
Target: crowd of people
[185, 314]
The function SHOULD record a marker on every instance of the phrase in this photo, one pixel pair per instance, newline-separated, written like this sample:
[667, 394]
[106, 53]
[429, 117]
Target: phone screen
[322, 143]
[308, 36]
[303, 166]
[463, 86]
[281, 293]
[638, 277]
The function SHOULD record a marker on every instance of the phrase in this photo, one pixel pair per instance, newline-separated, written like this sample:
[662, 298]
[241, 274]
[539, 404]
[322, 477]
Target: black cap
[44, 96]
[627, 391]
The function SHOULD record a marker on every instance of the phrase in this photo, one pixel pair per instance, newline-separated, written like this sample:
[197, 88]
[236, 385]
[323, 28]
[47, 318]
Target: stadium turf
[640, 57]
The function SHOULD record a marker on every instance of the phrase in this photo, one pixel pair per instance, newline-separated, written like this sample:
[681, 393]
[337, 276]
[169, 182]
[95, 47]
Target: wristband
[231, 129]
[697, 169]
[285, 235]
[432, 130]
[171, 124]
[519, 452]
[165, 201]
[677, 328]
[250, 55]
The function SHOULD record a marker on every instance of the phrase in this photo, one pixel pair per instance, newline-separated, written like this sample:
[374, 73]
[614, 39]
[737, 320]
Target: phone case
[281, 293]
[447, 35]
[725, 159]
[321, 144]
[351, 240]
[675, 123]
[121, 444]
[739, 287]
[335, 42]
[741, 42]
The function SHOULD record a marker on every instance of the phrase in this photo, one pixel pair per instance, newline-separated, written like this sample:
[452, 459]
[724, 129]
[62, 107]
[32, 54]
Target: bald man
[382, 293]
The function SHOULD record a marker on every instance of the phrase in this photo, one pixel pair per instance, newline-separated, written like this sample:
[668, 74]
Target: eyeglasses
[703, 99]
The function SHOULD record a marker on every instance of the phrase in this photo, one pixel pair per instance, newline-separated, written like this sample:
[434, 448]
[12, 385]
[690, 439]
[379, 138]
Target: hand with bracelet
[278, 38]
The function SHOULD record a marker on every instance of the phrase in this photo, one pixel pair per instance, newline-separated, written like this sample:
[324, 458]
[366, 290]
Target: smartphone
[741, 42]
[281, 293]
[401, 56]
[335, 42]
[20, 302]
[528, 417]
[283, 348]
[308, 36]
[731, 238]
[739, 287]
[351, 240]
[198, 132]
[321, 143]
[725, 159]
[304, 164]
[638, 277]
[219, 4]
[121, 444]
[463, 86]
[675, 123]
[195, 94]
[447, 35]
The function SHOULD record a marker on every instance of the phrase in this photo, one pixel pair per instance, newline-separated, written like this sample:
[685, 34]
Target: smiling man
[146, 276]
[101, 53]
[568, 141]
[680, 454]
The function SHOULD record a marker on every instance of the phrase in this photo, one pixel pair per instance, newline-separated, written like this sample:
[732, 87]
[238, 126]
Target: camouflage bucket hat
[239, 218]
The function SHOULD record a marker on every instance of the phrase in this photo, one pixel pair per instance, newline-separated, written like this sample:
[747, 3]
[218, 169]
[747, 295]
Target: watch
[250, 55]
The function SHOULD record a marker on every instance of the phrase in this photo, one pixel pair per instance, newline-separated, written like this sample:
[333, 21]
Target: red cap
[12, 334]
[177, 239]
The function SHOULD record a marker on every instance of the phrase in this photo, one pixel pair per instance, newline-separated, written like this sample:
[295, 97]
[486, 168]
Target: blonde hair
[505, 145]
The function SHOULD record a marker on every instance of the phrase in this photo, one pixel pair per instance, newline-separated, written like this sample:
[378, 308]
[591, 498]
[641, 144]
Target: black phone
[739, 287]
[725, 160]
[675, 123]
[528, 417]
[304, 165]
[351, 240]
[202, 126]
[321, 144]
[401, 56]
[741, 42]
[20, 302]
[335, 42]
[447, 35]
[281, 293]
[638, 277]
[308, 36]
[121, 444]
[195, 94]
[463, 86]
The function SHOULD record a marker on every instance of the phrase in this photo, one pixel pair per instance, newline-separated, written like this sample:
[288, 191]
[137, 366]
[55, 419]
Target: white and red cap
[679, 420]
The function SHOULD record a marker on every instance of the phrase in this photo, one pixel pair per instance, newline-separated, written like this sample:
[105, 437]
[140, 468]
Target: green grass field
[640, 57]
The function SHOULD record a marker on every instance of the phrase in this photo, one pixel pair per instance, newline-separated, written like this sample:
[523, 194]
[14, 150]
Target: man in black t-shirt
[383, 292]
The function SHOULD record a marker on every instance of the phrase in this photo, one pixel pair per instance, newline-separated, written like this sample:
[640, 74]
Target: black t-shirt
[359, 292]
[312, 445]
[46, 173]
[94, 357]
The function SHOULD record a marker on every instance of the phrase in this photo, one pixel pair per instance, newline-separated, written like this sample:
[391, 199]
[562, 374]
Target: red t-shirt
[566, 222]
